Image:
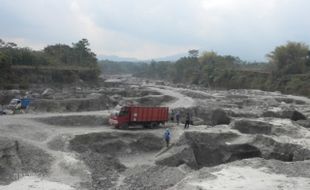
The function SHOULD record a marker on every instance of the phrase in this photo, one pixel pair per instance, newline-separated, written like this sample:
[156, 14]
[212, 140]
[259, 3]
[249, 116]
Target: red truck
[137, 115]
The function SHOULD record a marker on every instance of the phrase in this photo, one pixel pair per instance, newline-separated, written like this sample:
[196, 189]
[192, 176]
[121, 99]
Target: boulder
[304, 123]
[288, 114]
[271, 114]
[217, 147]
[291, 101]
[219, 117]
[273, 149]
[252, 126]
[293, 115]
[301, 154]
[177, 156]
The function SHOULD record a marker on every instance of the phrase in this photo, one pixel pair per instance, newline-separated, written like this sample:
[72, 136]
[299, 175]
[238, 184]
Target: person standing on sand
[172, 116]
[177, 117]
[187, 121]
[167, 136]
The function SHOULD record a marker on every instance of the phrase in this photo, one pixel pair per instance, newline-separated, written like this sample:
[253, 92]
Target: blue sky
[147, 29]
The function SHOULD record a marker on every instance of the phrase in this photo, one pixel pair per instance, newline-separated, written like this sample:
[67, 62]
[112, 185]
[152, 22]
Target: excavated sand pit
[18, 159]
[152, 177]
[101, 153]
[116, 143]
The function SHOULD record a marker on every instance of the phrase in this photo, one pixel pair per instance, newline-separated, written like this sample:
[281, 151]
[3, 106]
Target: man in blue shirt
[167, 137]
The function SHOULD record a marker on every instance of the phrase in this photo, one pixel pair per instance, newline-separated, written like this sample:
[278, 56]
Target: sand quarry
[240, 139]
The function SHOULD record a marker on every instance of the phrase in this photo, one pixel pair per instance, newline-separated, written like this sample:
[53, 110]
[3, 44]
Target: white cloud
[23, 42]
[144, 29]
[106, 42]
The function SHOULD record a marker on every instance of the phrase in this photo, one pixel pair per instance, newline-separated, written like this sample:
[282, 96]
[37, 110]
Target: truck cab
[120, 119]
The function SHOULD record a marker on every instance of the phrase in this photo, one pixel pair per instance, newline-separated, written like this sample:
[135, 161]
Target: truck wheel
[125, 126]
[154, 125]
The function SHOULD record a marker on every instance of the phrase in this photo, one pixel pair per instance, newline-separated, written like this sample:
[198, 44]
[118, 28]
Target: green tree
[193, 53]
[5, 69]
[60, 53]
[84, 53]
[78, 54]
[82, 45]
[13, 57]
[291, 58]
[208, 57]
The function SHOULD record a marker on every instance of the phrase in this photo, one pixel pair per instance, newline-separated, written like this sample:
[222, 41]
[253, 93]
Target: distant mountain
[171, 58]
[115, 58]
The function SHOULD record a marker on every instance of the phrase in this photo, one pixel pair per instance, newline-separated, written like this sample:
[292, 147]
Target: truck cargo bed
[148, 114]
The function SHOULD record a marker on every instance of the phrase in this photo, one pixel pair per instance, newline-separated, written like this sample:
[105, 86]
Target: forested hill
[288, 70]
[60, 63]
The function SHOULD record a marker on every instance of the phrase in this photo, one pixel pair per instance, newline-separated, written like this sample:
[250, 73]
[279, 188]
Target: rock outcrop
[288, 114]
[252, 127]
[219, 116]
[218, 145]
[304, 123]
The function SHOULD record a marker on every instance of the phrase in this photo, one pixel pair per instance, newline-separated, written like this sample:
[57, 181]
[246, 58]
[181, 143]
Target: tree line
[54, 56]
[287, 70]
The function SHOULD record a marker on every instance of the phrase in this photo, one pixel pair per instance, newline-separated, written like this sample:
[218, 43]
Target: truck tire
[154, 125]
[124, 126]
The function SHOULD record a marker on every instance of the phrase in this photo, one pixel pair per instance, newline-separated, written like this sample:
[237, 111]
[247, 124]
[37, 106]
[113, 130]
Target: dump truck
[148, 117]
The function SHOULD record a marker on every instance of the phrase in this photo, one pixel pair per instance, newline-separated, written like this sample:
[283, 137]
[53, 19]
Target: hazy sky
[147, 29]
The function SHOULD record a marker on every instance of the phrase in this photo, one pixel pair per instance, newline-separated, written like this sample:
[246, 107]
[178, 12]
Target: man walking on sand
[167, 137]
